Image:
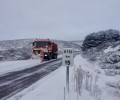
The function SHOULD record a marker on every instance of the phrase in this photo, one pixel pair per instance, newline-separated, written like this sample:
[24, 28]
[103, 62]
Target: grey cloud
[57, 19]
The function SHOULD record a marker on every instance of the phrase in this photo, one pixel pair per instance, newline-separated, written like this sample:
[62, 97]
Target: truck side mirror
[49, 44]
[33, 44]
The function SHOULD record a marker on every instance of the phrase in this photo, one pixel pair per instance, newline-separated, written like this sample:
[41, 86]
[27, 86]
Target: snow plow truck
[45, 49]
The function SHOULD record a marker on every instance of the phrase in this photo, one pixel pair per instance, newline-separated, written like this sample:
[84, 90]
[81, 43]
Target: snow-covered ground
[9, 66]
[111, 49]
[53, 87]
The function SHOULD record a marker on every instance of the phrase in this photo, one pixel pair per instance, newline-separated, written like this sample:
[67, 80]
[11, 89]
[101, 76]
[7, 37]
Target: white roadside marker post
[67, 60]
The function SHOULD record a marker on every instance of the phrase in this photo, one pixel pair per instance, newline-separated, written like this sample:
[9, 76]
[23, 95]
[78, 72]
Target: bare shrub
[88, 81]
[78, 79]
[114, 84]
[97, 92]
[84, 79]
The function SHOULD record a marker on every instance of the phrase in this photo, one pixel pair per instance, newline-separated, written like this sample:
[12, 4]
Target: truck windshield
[40, 44]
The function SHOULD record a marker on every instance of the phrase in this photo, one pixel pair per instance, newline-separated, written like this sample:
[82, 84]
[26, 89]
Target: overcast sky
[57, 19]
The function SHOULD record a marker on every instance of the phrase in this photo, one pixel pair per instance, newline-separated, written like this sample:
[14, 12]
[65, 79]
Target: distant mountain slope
[15, 43]
[22, 49]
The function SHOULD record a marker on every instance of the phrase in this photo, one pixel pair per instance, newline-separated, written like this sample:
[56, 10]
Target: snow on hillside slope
[109, 49]
[93, 85]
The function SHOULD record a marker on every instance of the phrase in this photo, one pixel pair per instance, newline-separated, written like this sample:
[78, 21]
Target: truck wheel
[56, 56]
[50, 57]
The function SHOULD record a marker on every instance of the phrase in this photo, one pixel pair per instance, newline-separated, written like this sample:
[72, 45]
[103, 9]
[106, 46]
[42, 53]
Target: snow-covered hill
[104, 48]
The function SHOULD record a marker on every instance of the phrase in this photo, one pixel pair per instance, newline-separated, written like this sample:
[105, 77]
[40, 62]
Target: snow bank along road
[13, 82]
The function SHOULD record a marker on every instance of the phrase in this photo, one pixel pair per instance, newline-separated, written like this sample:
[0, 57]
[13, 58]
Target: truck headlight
[45, 54]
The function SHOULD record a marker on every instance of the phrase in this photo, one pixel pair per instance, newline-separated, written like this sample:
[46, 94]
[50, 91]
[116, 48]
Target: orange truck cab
[46, 49]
